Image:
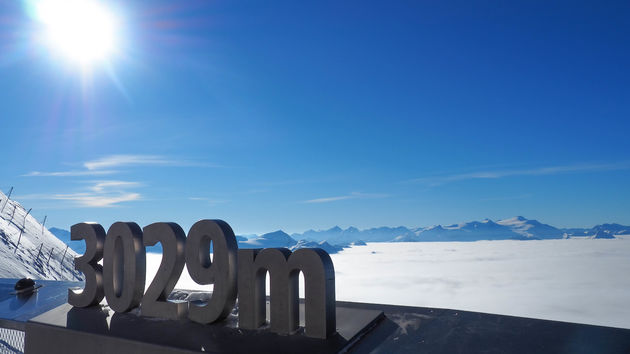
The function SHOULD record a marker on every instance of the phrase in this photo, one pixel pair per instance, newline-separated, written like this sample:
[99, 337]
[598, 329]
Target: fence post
[44, 223]
[6, 201]
[50, 255]
[22, 229]
[40, 251]
[13, 213]
[19, 238]
[63, 258]
[25, 215]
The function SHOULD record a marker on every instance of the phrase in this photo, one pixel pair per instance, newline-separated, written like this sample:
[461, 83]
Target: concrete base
[99, 330]
[402, 329]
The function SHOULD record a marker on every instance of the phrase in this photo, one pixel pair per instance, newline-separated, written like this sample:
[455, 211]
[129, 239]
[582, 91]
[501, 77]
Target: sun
[83, 31]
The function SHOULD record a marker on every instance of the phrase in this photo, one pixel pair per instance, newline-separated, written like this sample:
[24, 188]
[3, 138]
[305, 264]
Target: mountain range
[27, 248]
[516, 228]
[335, 239]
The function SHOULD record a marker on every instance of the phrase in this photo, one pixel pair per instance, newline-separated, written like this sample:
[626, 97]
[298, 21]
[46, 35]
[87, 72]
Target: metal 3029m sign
[234, 273]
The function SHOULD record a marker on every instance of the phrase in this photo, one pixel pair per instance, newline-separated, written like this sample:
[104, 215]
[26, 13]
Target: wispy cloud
[107, 165]
[329, 199]
[97, 200]
[99, 194]
[541, 171]
[354, 195]
[107, 193]
[102, 186]
[113, 161]
[74, 173]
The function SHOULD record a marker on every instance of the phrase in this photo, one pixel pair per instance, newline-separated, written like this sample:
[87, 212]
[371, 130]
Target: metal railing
[11, 341]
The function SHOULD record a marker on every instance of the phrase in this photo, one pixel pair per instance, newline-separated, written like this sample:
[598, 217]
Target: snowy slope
[54, 262]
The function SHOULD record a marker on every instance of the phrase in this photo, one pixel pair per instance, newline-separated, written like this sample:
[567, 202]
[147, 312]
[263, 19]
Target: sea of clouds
[575, 280]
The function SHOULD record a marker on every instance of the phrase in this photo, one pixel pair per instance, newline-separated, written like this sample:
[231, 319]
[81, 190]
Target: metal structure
[173, 240]
[124, 266]
[284, 268]
[6, 201]
[221, 271]
[39, 252]
[22, 230]
[50, 255]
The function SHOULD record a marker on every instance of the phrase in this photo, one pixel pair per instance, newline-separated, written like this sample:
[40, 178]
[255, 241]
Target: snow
[25, 262]
[576, 280]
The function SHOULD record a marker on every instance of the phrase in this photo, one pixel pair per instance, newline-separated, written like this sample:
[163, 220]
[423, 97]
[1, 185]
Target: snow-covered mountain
[531, 229]
[335, 239]
[282, 239]
[516, 228]
[338, 235]
[331, 249]
[469, 231]
[27, 249]
[273, 239]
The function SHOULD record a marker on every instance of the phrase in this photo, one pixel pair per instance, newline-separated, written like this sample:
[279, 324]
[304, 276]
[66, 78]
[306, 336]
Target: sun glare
[81, 30]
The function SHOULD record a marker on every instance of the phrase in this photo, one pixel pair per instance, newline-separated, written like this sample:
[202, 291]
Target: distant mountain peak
[275, 235]
[515, 219]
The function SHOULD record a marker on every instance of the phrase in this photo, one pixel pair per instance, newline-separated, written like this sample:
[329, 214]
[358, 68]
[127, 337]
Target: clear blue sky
[298, 115]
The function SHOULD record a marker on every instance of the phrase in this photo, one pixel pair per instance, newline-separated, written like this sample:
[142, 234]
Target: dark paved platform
[100, 330]
[402, 329]
[428, 330]
[15, 311]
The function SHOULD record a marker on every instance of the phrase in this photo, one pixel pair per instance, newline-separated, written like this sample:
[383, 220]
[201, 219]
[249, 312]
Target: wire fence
[46, 259]
[11, 341]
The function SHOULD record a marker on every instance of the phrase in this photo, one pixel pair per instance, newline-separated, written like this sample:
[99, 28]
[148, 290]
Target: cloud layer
[105, 193]
[354, 195]
[542, 171]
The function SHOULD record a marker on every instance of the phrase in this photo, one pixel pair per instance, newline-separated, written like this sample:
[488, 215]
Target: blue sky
[299, 115]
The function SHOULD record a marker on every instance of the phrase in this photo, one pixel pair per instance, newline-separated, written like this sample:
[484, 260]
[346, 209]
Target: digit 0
[124, 266]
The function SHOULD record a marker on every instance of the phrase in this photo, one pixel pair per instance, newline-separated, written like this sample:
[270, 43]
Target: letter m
[284, 268]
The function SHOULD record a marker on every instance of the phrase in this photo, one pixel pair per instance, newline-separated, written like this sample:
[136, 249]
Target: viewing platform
[45, 323]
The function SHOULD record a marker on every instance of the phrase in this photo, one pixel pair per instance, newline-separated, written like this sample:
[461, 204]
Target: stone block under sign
[98, 329]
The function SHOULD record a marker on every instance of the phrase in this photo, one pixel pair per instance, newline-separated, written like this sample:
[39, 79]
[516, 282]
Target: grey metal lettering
[124, 266]
[284, 268]
[94, 236]
[173, 240]
[319, 290]
[221, 271]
